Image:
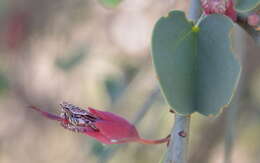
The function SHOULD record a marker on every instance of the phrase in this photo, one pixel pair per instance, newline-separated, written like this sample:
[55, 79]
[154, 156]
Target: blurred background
[96, 53]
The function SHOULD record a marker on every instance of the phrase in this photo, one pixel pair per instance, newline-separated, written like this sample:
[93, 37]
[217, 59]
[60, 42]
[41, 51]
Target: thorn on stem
[182, 134]
[169, 139]
[172, 111]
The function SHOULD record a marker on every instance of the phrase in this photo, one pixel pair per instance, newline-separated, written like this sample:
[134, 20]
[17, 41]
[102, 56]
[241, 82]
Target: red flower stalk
[105, 127]
[225, 7]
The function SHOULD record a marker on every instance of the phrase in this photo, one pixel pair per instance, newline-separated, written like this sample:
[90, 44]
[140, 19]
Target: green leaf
[110, 3]
[219, 70]
[97, 148]
[246, 5]
[115, 87]
[4, 6]
[72, 60]
[196, 69]
[174, 60]
[4, 83]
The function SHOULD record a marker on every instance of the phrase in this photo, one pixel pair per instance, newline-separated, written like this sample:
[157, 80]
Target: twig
[178, 148]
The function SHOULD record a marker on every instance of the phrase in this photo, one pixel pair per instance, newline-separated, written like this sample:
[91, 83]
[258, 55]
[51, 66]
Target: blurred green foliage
[246, 5]
[114, 87]
[116, 84]
[110, 3]
[73, 59]
[3, 8]
[97, 148]
[3, 83]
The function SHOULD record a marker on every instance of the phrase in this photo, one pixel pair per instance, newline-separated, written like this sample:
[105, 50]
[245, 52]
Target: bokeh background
[96, 53]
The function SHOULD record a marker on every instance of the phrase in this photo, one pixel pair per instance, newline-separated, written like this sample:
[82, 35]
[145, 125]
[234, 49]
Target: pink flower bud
[253, 20]
[224, 7]
[104, 126]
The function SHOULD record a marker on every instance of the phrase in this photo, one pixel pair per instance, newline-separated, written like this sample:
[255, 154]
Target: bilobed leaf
[246, 5]
[196, 69]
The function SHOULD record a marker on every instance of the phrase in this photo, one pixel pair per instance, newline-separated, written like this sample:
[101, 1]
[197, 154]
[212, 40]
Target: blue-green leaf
[72, 60]
[246, 5]
[196, 68]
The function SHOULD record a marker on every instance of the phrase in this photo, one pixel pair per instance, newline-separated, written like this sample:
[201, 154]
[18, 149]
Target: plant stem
[194, 11]
[178, 148]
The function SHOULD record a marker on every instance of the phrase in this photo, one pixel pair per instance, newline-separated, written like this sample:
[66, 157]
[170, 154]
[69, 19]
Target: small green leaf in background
[197, 70]
[3, 83]
[97, 148]
[71, 60]
[110, 3]
[246, 5]
[114, 87]
[4, 5]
